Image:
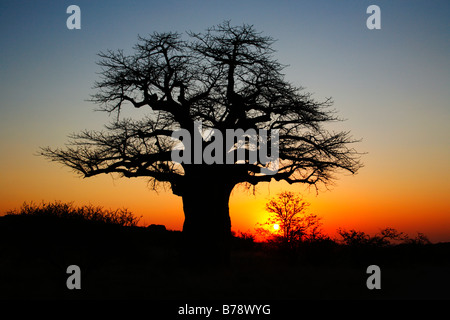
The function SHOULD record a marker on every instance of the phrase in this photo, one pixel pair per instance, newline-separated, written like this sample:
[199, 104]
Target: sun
[276, 226]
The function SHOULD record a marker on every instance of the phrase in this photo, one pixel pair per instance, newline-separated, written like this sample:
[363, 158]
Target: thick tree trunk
[207, 225]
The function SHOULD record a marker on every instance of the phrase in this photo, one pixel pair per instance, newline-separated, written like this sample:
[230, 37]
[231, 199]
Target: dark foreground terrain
[139, 263]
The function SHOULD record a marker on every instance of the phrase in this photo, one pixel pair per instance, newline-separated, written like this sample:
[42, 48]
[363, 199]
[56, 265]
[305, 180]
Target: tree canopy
[226, 78]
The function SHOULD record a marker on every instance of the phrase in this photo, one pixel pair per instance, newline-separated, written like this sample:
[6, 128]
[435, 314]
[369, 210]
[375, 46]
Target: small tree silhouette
[288, 211]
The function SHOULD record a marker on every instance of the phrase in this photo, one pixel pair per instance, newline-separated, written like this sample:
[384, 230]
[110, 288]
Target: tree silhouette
[359, 238]
[288, 211]
[226, 78]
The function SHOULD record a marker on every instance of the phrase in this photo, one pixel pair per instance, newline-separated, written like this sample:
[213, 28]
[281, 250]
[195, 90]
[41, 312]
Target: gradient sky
[392, 85]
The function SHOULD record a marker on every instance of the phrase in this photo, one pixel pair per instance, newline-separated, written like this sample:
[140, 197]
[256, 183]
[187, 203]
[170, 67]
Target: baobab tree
[228, 79]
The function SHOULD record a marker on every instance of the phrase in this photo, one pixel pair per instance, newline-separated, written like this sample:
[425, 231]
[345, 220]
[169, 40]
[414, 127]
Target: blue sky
[392, 85]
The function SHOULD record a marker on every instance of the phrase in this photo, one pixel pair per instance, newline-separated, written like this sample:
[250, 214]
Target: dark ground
[137, 263]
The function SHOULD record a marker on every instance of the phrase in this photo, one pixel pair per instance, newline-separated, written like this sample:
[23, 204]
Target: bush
[385, 237]
[58, 209]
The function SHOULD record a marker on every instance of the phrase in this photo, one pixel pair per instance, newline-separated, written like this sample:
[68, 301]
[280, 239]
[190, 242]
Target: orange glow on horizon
[360, 202]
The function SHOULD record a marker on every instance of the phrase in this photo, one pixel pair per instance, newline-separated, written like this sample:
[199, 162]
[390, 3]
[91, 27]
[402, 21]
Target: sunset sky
[391, 85]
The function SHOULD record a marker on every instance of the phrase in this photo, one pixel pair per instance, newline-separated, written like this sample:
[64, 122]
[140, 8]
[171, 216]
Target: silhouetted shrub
[242, 240]
[58, 209]
[385, 237]
[420, 239]
[159, 228]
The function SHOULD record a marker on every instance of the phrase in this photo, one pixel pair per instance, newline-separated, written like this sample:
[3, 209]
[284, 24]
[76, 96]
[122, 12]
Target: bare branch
[227, 78]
